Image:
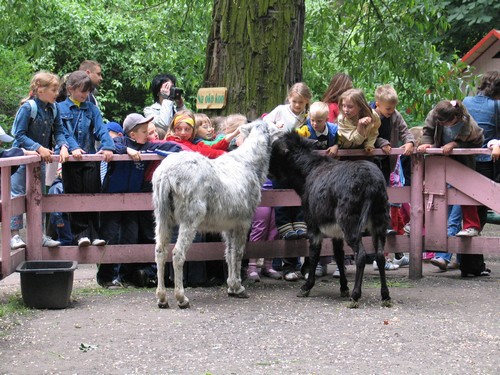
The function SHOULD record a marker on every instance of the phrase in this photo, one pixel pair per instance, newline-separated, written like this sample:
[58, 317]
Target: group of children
[345, 120]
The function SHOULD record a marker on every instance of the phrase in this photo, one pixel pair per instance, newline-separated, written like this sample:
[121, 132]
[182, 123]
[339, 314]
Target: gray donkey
[219, 195]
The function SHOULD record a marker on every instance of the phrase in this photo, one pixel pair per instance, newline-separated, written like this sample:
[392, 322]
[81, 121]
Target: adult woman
[485, 109]
[165, 106]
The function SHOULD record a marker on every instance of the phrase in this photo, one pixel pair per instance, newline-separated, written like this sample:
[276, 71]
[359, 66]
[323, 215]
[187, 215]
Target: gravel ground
[441, 324]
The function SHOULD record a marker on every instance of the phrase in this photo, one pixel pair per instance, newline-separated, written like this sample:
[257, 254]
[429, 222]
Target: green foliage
[414, 45]
[470, 21]
[133, 40]
[379, 42]
[14, 84]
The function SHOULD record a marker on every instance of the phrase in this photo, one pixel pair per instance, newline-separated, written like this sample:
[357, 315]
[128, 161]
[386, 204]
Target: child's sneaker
[84, 241]
[98, 242]
[469, 232]
[49, 242]
[404, 261]
[320, 270]
[17, 242]
[388, 266]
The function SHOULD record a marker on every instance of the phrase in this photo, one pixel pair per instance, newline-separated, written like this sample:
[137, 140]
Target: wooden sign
[211, 98]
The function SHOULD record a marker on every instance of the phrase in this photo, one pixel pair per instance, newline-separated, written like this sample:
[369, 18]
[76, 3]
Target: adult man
[93, 69]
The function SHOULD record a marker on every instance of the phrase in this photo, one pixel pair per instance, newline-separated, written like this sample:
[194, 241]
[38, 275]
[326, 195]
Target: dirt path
[441, 324]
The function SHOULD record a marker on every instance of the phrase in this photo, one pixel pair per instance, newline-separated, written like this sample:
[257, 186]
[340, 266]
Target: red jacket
[211, 152]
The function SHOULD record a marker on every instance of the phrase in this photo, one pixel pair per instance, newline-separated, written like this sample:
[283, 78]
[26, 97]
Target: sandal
[271, 273]
[253, 276]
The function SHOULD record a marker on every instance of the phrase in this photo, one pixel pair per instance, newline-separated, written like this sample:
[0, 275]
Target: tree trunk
[255, 50]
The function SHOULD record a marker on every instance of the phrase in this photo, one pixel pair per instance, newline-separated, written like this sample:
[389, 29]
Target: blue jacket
[482, 109]
[308, 131]
[84, 126]
[31, 134]
[128, 176]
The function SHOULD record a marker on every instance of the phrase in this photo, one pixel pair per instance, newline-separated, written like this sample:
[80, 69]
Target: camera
[175, 93]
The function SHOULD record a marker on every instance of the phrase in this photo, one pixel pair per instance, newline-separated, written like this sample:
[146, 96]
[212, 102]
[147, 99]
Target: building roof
[481, 47]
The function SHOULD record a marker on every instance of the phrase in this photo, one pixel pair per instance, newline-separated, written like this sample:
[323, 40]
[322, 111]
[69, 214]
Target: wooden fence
[429, 203]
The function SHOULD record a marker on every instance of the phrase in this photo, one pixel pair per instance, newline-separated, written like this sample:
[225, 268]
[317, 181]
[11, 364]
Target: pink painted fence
[428, 201]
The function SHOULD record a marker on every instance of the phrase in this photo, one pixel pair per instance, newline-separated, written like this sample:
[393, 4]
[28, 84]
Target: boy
[128, 177]
[317, 127]
[392, 131]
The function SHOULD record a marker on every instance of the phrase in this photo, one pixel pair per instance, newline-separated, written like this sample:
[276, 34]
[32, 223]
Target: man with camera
[168, 100]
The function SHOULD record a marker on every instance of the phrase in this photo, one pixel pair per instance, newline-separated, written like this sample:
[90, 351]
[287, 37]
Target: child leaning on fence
[290, 220]
[36, 127]
[127, 177]
[84, 126]
[448, 125]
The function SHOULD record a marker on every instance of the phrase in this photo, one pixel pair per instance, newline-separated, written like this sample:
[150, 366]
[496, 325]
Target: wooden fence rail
[429, 204]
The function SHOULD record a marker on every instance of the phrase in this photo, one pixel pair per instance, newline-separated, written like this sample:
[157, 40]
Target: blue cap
[115, 127]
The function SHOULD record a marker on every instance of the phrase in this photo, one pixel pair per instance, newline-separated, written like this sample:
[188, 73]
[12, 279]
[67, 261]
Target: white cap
[5, 137]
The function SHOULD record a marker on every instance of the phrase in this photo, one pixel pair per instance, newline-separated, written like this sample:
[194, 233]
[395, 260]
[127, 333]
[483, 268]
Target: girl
[358, 123]
[205, 130]
[293, 115]
[339, 84]
[84, 125]
[36, 125]
[183, 129]
[447, 126]
[290, 220]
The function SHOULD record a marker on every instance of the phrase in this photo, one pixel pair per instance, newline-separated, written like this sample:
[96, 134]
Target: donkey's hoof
[386, 303]
[303, 293]
[163, 305]
[344, 293]
[243, 294]
[353, 304]
[184, 306]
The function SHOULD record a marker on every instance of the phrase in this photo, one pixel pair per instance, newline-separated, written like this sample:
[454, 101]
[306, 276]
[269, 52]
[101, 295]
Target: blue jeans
[454, 226]
[18, 187]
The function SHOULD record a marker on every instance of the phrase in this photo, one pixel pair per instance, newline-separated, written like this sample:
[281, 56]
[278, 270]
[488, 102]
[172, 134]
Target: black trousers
[82, 178]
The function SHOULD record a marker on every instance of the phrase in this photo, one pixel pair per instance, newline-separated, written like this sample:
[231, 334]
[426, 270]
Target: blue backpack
[34, 109]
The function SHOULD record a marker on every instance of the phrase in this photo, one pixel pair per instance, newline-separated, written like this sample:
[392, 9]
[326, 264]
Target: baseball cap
[134, 119]
[5, 137]
[114, 127]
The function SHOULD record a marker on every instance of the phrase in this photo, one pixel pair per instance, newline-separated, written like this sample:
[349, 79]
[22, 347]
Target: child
[36, 131]
[84, 125]
[358, 123]
[127, 177]
[205, 131]
[293, 115]
[449, 125]
[392, 131]
[60, 220]
[339, 84]
[317, 127]
[231, 123]
[494, 144]
[290, 220]
[325, 133]
[182, 130]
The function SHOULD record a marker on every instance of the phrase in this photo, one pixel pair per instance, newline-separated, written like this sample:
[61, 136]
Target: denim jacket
[31, 134]
[84, 126]
[482, 109]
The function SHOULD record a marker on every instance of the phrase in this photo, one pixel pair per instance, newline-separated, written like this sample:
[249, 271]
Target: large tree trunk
[255, 50]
